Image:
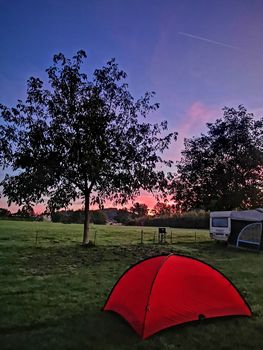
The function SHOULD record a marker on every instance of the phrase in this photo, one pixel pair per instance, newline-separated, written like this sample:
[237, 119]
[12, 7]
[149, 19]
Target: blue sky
[197, 55]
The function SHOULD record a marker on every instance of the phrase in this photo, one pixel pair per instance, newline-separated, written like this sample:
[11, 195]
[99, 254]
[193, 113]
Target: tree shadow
[88, 330]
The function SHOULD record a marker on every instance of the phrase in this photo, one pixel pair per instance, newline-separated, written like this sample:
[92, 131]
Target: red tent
[164, 291]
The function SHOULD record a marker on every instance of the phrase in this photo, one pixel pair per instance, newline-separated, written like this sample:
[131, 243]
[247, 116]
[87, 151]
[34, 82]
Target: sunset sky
[197, 55]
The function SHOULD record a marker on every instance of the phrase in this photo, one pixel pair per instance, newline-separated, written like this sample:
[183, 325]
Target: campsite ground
[52, 290]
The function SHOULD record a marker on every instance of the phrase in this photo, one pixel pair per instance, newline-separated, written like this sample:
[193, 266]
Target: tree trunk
[86, 220]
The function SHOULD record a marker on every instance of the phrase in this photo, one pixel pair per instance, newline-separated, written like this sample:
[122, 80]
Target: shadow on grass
[90, 330]
[107, 330]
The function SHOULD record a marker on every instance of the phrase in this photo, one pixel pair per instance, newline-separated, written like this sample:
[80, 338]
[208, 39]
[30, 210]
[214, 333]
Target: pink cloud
[258, 112]
[194, 122]
[146, 198]
[3, 204]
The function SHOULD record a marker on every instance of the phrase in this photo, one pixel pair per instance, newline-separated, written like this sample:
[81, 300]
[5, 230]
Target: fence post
[36, 237]
[141, 236]
[95, 236]
[171, 237]
[195, 236]
[154, 237]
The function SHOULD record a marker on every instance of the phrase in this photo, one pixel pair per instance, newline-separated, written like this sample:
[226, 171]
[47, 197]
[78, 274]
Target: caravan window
[220, 222]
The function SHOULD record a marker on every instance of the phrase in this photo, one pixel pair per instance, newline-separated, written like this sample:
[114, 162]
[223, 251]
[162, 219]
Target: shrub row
[189, 220]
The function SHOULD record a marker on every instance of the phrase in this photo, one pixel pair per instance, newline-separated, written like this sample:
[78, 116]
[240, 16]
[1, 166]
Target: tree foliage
[78, 138]
[222, 169]
[26, 211]
[5, 212]
[163, 209]
[139, 210]
[123, 216]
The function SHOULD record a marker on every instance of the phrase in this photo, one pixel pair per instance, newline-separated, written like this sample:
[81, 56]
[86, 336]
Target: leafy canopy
[78, 138]
[222, 169]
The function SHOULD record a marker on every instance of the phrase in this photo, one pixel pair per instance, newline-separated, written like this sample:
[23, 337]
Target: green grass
[52, 290]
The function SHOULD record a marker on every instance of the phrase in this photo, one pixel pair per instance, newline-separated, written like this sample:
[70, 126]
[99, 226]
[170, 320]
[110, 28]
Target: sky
[197, 55]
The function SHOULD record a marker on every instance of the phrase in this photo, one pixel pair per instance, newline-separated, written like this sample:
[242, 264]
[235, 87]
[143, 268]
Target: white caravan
[220, 225]
[238, 227]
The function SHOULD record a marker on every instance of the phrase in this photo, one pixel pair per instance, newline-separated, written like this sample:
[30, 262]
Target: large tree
[222, 169]
[78, 138]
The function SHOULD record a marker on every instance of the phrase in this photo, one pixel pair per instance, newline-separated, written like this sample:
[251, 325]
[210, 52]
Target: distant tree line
[63, 216]
[139, 214]
[24, 213]
[5, 212]
[159, 216]
[77, 217]
[191, 219]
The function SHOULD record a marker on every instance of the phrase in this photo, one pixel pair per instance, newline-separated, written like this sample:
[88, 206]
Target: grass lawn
[52, 290]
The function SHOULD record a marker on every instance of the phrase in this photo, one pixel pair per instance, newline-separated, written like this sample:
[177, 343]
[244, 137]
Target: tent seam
[148, 299]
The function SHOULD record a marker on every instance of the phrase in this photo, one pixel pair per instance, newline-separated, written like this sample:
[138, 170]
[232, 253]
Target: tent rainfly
[169, 290]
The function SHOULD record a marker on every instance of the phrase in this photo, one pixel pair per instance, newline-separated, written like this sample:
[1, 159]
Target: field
[52, 289]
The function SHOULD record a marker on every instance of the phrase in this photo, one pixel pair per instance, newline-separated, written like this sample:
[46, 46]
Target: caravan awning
[248, 215]
[243, 215]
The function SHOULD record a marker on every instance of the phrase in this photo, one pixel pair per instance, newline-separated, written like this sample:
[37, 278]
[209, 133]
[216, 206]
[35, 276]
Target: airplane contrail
[208, 40]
